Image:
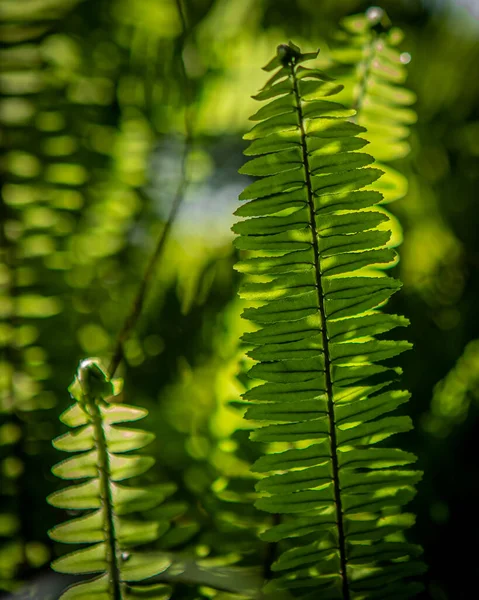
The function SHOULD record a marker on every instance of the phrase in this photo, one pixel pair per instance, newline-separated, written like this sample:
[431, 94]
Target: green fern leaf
[104, 458]
[373, 70]
[326, 394]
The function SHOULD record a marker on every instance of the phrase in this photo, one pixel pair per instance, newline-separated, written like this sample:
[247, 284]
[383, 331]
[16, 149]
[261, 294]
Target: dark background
[92, 111]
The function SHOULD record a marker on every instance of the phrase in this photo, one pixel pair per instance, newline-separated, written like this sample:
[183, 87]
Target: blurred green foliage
[92, 117]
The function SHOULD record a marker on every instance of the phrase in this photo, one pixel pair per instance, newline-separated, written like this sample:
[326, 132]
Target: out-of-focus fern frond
[104, 461]
[373, 72]
[373, 69]
[454, 394]
[32, 225]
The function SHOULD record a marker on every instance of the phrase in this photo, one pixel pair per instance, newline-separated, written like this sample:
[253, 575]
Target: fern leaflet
[104, 461]
[325, 392]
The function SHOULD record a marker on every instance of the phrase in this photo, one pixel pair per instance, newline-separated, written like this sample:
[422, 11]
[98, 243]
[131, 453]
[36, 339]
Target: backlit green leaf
[314, 251]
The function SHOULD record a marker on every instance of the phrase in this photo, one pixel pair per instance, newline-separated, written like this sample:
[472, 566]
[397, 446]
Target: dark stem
[325, 341]
[139, 301]
[106, 495]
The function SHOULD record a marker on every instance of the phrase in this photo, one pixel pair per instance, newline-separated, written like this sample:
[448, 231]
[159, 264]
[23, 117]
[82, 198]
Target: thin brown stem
[139, 300]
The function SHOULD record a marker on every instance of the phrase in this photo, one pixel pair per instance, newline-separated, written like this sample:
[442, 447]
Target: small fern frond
[104, 460]
[454, 395]
[326, 396]
[374, 71]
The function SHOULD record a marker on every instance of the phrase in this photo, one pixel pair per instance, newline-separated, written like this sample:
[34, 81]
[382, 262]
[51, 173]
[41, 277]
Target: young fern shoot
[104, 461]
[312, 233]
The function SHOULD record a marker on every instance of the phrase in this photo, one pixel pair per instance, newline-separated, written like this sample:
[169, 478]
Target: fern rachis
[311, 228]
[324, 330]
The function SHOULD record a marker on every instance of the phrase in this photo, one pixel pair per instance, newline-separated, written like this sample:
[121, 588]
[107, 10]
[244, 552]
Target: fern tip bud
[378, 17]
[287, 54]
[91, 380]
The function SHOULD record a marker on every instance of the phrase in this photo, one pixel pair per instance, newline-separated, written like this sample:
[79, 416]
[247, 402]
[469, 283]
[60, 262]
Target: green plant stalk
[325, 340]
[370, 51]
[106, 495]
[380, 23]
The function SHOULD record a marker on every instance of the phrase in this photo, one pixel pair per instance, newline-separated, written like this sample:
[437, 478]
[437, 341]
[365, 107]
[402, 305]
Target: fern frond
[326, 395]
[105, 462]
[373, 70]
[30, 226]
[454, 395]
